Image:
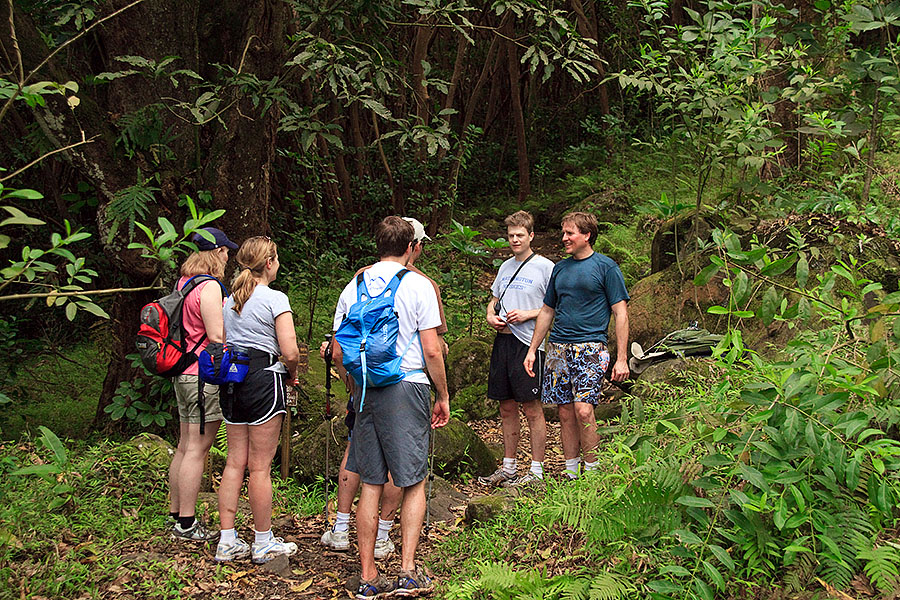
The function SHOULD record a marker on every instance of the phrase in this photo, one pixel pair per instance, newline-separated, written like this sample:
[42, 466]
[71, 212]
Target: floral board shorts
[574, 373]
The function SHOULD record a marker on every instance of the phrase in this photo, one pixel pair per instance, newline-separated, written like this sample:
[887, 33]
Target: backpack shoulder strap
[196, 280]
[361, 288]
[395, 281]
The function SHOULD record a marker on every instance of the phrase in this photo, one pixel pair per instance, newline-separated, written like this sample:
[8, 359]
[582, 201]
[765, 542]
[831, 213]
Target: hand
[294, 382]
[445, 349]
[496, 322]
[322, 349]
[516, 316]
[440, 414]
[620, 370]
[528, 363]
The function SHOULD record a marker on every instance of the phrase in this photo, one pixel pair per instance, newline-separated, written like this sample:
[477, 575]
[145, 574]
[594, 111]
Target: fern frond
[611, 586]
[882, 567]
[131, 203]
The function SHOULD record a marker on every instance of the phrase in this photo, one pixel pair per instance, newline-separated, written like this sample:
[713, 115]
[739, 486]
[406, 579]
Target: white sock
[263, 536]
[341, 522]
[509, 466]
[591, 466]
[384, 528]
[572, 467]
[538, 469]
[227, 536]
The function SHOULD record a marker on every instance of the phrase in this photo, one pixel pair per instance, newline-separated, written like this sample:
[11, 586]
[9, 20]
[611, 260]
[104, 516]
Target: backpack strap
[186, 289]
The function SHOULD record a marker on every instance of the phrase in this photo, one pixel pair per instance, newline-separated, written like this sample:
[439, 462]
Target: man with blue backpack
[387, 340]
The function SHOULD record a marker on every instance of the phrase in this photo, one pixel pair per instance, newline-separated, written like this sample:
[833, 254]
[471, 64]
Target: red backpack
[161, 339]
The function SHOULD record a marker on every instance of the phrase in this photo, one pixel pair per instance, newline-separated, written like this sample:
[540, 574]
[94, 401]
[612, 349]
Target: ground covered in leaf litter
[314, 572]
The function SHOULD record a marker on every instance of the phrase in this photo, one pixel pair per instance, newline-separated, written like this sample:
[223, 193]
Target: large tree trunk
[231, 158]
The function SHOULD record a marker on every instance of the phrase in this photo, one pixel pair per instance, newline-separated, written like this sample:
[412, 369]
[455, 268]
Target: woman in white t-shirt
[259, 321]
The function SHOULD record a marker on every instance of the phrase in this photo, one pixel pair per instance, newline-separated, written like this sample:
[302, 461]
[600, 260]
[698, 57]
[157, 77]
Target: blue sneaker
[413, 583]
[263, 552]
[379, 587]
[233, 551]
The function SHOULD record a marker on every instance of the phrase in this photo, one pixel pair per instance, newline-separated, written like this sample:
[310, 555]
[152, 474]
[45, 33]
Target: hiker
[518, 294]
[201, 316]
[337, 537]
[392, 426]
[584, 290]
[259, 320]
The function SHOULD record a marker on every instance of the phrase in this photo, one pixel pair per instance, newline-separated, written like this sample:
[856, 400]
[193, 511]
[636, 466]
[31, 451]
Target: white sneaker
[383, 548]
[233, 551]
[337, 540]
[263, 552]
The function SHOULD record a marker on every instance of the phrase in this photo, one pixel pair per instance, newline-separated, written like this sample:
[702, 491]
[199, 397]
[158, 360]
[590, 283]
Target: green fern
[131, 203]
[611, 586]
[881, 567]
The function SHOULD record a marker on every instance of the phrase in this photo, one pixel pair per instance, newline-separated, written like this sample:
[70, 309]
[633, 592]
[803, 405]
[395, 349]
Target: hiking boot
[233, 551]
[411, 584]
[337, 540]
[529, 479]
[381, 586]
[383, 548]
[497, 478]
[197, 533]
[263, 552]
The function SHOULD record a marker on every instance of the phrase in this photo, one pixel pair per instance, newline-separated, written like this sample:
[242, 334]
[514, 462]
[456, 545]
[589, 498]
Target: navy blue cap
[220, 240]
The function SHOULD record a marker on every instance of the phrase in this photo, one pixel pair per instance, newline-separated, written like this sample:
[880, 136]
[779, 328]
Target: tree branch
[82, 293]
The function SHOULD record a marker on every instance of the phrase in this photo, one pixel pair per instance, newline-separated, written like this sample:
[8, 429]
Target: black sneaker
[381, 586]
[197, 533]
[414, 583]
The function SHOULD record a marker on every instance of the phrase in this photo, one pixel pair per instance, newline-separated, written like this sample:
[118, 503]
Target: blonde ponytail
[251, 257]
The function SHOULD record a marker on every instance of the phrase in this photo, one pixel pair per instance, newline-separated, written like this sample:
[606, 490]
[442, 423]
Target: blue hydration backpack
[368, 337]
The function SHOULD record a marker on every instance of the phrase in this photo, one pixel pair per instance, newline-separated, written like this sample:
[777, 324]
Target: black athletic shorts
[507, 378]
[254, 401]
[350, 419]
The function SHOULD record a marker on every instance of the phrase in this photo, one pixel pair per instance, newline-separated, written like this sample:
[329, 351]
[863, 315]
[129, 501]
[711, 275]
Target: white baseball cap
[418, 229]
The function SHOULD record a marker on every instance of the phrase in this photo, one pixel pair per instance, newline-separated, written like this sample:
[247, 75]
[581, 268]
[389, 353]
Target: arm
[211, 312]
[493, 320]
[541, 327]
[287, 342]
[620, 370]
[434, 361]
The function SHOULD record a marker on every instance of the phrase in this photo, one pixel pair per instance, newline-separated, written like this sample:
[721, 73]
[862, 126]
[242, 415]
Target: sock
[538, 469]
[341, 522]
[263, 536]
[591, 466]
[509, 466]
[572, 467]
[384, 528]
[185, 523]
[227, 536]
[173, 514]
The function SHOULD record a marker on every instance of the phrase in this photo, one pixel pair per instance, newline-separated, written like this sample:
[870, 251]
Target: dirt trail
[314, 572]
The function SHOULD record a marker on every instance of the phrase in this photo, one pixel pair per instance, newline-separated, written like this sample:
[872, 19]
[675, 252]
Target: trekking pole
[328, 355]
[430, 485]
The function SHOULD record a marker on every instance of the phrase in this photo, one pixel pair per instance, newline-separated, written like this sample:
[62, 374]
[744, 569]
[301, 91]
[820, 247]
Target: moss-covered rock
[155, 450]
[467, 364]
[473, 401]
[308, 449]
[484, 508]
[458, 449]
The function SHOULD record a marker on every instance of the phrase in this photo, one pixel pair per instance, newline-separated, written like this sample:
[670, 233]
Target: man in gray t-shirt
[517, 297]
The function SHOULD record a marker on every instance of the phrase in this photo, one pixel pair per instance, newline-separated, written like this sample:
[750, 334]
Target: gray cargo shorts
[391, 434]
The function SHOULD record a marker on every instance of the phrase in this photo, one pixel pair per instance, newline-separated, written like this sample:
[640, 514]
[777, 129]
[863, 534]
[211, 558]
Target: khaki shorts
[186, 395]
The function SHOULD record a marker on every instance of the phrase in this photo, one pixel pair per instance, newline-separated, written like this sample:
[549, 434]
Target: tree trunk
[512, 61]
[235, 155]
[588, 31]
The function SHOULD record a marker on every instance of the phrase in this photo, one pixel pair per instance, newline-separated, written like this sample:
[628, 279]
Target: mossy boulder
[308, 449]
[156, 451]
[484, 508]
[467, 364]
[458, 449]
[473, 401]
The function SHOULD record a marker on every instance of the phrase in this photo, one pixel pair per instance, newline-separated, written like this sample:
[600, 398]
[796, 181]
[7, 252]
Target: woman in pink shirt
[203, 323]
